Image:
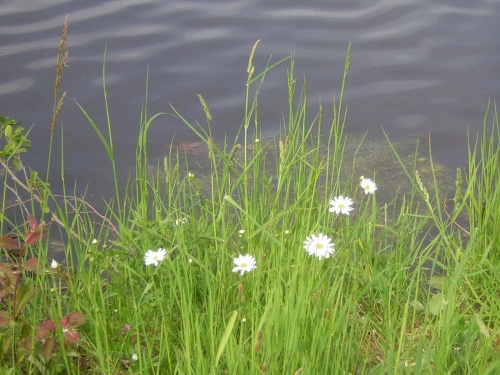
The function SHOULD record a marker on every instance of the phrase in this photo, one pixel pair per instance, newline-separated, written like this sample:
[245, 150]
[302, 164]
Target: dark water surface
[417, 66]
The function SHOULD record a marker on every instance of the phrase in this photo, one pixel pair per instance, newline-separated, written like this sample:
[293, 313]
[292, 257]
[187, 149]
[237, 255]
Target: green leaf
[8, 131]
[24, 295]
[225, 336]
[436, 303]
[17, 165]
[437, 282]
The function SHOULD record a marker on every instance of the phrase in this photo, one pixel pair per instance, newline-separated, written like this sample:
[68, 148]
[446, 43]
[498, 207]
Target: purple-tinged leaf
[32, 265]
[72, 336]
[44, 329]
[32, 222]
[74, 319]
[8, 243]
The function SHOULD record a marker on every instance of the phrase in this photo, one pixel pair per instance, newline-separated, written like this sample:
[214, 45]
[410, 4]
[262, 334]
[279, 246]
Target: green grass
[412, 288]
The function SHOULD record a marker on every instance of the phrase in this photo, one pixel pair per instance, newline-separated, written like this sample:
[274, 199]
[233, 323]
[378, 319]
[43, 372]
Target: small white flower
[184, 220]
[240, 232]
[320, 246]
[54, 264]
[191, 175]
[135, 357]
[190, 260]
[94, 241]
[154, 257]
[368, 185]
[287, 231]
[244, 263]
[341, 205]
[257, 140]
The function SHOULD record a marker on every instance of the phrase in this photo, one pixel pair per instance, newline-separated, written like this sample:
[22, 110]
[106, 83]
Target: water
[416, 67]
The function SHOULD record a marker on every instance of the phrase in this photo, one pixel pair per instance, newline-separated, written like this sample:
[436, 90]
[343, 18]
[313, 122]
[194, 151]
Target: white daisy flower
[135, 357]
[320, 246]
[154, 257]
[54, 264]
[244, 263]
[368, 185]
[341, 205]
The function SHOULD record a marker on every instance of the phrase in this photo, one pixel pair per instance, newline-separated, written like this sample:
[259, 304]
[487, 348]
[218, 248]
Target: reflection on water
[416, 67]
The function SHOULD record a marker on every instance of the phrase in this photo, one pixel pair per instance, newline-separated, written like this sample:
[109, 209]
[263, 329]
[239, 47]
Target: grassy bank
[261, 264]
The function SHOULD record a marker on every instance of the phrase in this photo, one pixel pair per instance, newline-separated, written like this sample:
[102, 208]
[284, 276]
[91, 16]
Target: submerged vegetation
[278, 259]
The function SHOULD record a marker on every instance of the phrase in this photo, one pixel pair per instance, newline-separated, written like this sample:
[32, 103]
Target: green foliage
[18, 290]
[13, 142]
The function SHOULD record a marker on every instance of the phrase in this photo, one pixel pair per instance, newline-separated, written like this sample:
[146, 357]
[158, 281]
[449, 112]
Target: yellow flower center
[319, 246]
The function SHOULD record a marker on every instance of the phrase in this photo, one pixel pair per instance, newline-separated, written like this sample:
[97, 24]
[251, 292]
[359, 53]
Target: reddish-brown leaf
[3, 292]
[4, 319]
[44, 329]
[72, 336]
[31, 237]
[9, 277]
[32, 265]
[36, 231]
[32, 222]
[8, 243]
[74, 319]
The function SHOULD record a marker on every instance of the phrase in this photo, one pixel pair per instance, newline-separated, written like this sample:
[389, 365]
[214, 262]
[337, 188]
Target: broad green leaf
[437, 282]
[8, 131]
[436, 303]
[24, 295]
[17, 165]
